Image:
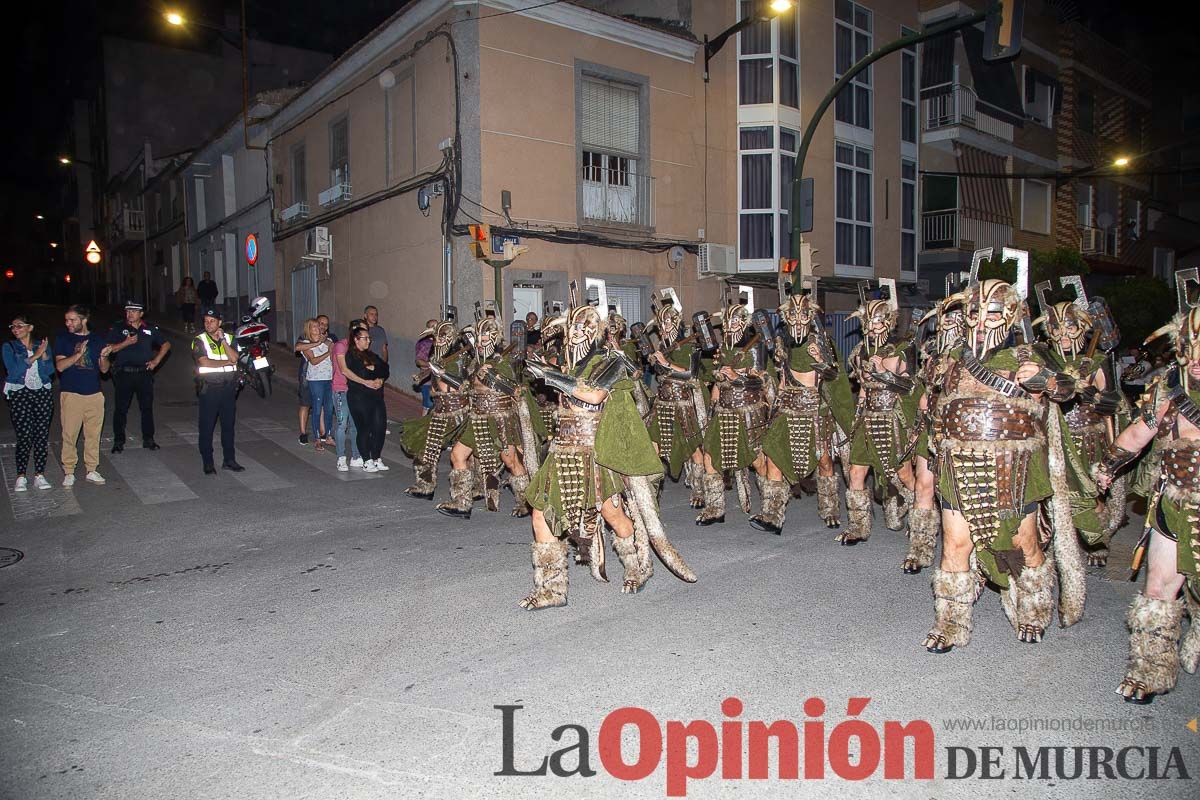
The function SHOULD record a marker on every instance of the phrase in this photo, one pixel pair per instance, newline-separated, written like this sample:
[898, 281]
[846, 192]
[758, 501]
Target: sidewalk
[400, 406]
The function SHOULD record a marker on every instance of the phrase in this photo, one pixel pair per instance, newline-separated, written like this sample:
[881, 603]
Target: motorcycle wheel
[256, 382]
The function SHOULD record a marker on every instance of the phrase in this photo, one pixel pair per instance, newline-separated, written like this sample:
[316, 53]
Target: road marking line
[150, 479]
[38, 503]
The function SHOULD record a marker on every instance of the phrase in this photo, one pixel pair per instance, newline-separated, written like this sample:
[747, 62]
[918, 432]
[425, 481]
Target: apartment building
[593, 138]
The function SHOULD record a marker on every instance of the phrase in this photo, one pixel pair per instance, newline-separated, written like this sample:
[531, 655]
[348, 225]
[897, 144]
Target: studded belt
[491, 403]
[799, 398]
[576, 430]
[729, 396]
[448, 402]
[1083, 416]
[979, 420]
[878, 398]
[673, 391]
[1181, 467]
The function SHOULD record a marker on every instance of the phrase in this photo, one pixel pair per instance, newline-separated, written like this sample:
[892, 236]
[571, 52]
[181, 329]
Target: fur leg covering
[741, 480]
[829, 501]
[858, 509]
[954, 595]
[775, 496]
[893, 515]
[478, 488]
[549, 576]
[643, 511]
[923, 526]
[461, 483]
[1068, 551]
[635, 572]
[1154, 628]
[1030, 601]
[714, 499]
[424, 483]
[697, 483]
[1190, 654]
[520, 485]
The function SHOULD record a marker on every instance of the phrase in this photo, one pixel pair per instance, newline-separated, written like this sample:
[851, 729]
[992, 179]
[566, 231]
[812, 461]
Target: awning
[986, 199]
[995, 84]
[937, 66]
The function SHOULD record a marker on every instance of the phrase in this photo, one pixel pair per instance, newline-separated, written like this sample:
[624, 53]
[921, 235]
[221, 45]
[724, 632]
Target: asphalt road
[298, 632]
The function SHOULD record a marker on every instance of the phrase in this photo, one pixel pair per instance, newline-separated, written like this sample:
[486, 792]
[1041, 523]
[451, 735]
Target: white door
[526, 299]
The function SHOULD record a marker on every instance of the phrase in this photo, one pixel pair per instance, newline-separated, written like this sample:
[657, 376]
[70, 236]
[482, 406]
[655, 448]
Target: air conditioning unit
[317, 244]
[295, 211]
[1091, 240]
[337, 193]
[716, 259]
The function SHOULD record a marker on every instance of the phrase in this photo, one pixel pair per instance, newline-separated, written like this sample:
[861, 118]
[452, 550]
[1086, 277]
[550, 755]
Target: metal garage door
[628, 300]
[304, 297]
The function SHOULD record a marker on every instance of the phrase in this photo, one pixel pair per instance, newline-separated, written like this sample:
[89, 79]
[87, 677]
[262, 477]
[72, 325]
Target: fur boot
[549, 576]
[954, 595]
[697, 483]
[775, 495]
[425, 483]
[1029, 601]
[829, 501]
[923, 524]
[858, 509]
[459, 504]
[1190, 654]
[635, 567]
[714, 499]
[520, 485]
[1154, 629]
[478, 491]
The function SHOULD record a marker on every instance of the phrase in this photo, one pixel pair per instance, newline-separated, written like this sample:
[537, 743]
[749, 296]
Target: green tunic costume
[738, 421]
[674, 423]
[592, 452]
[488, 431]
[884, 416]
[445, 423]
[802, 429]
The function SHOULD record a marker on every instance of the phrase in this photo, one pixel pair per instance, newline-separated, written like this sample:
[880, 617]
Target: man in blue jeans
[423, 349]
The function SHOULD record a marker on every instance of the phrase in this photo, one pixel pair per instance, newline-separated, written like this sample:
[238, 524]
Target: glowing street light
[39, 217]
[64, 160]
[54, 244]
[1122, 161]
[780, 6]
[174, 18]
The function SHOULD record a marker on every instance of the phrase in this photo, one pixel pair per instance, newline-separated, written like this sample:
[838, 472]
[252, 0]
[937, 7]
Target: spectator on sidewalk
[302, 392]
[533, 334]
[379, 335]
[344, 430]
[29, 367]
[323, 321]
[186, 298]
[367, 373]
[80, 357]
[423, 350]
[136, 349]
[320, 381]
[207, 291]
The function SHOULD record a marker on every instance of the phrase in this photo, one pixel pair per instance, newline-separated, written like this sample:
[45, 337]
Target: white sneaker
[95, 477]
[40, 482]
[21, 485]
[69, 480]
[341, 465]
[356, 462]
[369, 466]
[380, 466]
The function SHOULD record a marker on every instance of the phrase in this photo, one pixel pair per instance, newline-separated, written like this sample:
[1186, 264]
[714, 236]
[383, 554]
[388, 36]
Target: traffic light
[481, 239]
[1002, 30]
[10, 274]
[788, 265]
[67, 278]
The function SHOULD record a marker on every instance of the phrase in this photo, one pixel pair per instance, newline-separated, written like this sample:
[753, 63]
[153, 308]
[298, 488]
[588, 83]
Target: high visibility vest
[215, 350]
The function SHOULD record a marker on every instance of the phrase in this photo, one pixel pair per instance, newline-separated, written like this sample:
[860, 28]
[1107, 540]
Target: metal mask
[616, 326]
[1187, 343]
[798, 313]
[993, 307]
[670, 324]
[487, 338]
[445, 334]
[735, 323]
[584, 332]
[878, 320]
[1068, 321]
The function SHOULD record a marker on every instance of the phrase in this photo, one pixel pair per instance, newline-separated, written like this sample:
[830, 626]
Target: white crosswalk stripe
[150, 479]
[256, 478]
[272, 431]
[37, 503]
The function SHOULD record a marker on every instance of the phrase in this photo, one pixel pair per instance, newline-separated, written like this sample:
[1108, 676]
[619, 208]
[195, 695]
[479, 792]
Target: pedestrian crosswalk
[154, 478]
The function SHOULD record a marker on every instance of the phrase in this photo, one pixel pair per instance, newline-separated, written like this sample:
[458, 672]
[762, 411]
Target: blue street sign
[498, 243]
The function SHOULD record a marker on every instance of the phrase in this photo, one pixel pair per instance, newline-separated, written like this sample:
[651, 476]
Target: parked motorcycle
[253, 341]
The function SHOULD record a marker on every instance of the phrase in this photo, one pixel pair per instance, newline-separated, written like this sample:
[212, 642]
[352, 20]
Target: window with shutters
[852, 41]
[615, 187]
[339, 151]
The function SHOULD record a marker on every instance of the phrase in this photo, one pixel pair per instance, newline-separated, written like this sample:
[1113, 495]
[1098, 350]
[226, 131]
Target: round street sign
[92, 252]
[251, 249]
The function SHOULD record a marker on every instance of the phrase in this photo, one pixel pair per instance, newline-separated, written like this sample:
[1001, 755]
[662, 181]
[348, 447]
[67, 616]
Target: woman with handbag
[29, 366]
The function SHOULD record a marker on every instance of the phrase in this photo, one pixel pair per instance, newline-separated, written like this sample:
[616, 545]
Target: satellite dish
[676, 254]
[387, 79]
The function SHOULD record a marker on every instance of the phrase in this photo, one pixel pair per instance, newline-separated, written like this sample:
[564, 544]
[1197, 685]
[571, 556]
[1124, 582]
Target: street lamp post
[712, 46]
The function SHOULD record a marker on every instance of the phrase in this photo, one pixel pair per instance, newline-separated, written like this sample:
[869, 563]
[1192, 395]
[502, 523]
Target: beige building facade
[594, 139]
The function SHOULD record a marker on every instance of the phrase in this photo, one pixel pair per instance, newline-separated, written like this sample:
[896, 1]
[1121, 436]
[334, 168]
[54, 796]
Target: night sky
[52, 46]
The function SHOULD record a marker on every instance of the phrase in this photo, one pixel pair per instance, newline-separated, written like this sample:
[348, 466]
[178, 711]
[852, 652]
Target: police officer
[216, 374]
[137, 347]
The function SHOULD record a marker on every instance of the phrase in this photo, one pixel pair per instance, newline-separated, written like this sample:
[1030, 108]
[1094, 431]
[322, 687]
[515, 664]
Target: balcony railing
[619, 198]
[950, 230]
[958, 107]
[130, 223]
